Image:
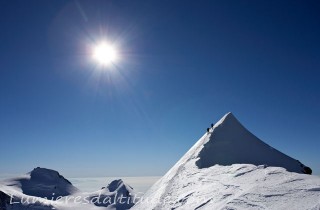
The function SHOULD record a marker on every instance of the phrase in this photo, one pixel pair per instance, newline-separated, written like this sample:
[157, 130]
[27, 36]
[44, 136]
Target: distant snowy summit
[111, 195]
[227, 168]
[42, 182]
[45, 189]
[230, 168]
[229, 142]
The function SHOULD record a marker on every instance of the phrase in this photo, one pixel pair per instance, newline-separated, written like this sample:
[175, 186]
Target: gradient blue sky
[184, 64]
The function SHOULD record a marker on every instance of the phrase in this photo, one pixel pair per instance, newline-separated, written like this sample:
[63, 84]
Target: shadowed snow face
[90, 184]
[42, 182]
[231, 143]
[206, 177]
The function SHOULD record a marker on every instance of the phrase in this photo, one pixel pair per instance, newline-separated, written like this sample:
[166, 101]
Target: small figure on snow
[208, 129]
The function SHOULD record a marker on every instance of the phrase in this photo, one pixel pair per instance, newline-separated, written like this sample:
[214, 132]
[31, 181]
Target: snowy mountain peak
[229, 142]
[228, 115]
[230, 119]
[230, 168]
[42, 182]
[118, 192]
[47, 175]
[115, 185]
[46, 189]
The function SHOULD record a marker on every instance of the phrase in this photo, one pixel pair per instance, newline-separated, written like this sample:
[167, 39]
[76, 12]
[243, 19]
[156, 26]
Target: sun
[105, 54]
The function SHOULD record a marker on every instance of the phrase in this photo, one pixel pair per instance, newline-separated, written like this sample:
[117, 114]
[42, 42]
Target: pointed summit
[119, 186]
[228, 168]
[117, 195]
[231, 143]
[229, 117]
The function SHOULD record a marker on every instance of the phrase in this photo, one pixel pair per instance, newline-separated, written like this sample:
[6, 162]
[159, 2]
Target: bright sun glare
[105, 54]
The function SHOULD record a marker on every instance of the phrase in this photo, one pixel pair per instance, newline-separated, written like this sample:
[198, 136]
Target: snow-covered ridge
[230, 168]
[237, 187]
[229, 143]
[227, 168]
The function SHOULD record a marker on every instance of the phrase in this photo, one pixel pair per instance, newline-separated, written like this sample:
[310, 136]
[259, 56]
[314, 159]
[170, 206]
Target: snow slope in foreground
[230, 168]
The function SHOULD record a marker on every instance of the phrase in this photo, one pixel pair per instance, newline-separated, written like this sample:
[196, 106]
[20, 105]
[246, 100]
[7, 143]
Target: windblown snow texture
[230, 143]
[230, 168]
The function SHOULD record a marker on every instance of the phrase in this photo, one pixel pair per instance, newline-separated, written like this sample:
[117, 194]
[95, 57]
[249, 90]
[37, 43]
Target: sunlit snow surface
[46, 189]
[228, 168]
[212, 175]
[90, 184]
[239, 186]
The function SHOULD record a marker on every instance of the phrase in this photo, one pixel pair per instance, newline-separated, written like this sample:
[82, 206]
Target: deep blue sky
[184, 64]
